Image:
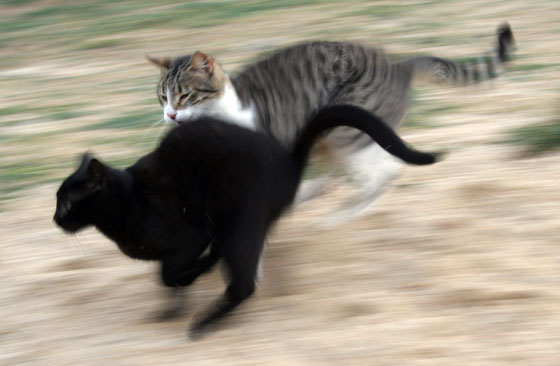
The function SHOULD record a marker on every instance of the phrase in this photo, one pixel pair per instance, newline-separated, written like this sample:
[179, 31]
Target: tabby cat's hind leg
[319, 168]
[310, 189]
[372, 169]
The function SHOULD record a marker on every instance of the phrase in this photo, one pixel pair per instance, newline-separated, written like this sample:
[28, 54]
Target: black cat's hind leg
[241, 252]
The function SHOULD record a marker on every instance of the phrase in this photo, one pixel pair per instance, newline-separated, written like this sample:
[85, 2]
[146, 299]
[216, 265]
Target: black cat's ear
[86, 157]
[95, 169]
[96, 172]
[84, 162]
[202, 63]
[163, 63]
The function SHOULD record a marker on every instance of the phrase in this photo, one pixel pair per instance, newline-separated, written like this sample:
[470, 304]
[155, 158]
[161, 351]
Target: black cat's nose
[56, 218]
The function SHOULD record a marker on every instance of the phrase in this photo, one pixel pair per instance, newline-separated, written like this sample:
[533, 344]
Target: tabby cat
[279, 94]
[210, 184]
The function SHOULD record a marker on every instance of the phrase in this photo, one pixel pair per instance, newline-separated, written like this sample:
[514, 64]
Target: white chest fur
[227, 107]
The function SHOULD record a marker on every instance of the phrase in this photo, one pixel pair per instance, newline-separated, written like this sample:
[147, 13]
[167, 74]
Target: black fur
[209, 184]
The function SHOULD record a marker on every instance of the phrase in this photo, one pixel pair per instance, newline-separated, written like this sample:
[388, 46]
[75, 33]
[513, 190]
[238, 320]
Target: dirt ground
[455, 264]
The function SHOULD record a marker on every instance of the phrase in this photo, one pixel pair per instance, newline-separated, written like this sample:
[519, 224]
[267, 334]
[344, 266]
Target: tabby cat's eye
[184, 97]
[163, 97]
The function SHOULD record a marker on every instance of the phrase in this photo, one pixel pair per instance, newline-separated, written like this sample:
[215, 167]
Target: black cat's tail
[356, 117]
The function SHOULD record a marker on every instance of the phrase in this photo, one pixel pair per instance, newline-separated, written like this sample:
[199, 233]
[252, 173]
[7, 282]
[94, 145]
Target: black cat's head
[76, 197]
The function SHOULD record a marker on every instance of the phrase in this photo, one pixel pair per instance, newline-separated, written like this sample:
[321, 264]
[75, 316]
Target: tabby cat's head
[76, 197]
[188, 85]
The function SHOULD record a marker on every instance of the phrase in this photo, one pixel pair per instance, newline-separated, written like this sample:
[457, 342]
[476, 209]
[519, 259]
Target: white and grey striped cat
[280, 93]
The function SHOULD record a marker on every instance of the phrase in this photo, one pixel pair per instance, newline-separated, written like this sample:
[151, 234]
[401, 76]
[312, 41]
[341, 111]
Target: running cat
[209, 184]
[280, 93]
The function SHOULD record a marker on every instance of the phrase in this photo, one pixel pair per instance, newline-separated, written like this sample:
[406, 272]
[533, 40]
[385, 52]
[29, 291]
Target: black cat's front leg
[181, 270]
[176, 272]
[174, 304]
[241, 253]
[203, 264]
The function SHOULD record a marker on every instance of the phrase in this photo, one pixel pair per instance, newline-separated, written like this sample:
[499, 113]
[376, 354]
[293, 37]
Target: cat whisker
[154, 125]
[162, 130]
[158, 122]
[79, 245]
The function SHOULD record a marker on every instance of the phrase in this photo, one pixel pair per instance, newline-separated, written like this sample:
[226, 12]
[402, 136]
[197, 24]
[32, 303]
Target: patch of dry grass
[457, 266]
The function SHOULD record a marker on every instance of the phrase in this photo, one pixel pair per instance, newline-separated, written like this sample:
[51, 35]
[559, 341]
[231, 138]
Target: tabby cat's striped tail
[442, 71]
[356, 117]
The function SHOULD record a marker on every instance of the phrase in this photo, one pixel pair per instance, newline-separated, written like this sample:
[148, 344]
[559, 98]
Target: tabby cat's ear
[202, 63]
[163, 62]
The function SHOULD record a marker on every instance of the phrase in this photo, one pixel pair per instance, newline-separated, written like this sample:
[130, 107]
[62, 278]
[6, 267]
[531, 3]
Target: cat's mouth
[176, 121]
[67, 227]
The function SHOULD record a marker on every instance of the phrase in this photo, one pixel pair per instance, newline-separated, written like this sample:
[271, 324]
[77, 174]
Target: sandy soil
[456, 264]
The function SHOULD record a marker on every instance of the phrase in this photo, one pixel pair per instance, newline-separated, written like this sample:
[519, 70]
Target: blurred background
[457, 263]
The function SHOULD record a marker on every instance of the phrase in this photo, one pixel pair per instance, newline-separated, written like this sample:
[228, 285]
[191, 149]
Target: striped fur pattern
[284, 90]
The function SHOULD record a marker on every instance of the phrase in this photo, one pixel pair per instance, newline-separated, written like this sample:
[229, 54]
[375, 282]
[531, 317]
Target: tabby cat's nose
[172, 115]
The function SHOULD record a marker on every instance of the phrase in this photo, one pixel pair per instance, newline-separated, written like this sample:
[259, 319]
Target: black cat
[209, 184]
